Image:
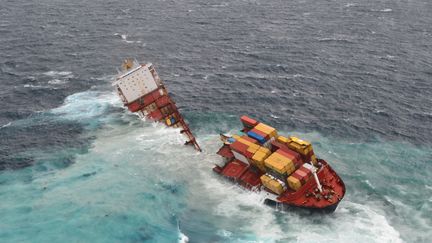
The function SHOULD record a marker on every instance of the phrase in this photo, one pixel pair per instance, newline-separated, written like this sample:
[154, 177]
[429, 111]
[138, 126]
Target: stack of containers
[273, 184]
[171, 119]
[258, 158]
[302, 147]
[143, 101]
[248, 122]
[244, 148]
[166, 110]
[238, 149]
[284, 164]
[300, 177]
[281, 164]
[262, 133]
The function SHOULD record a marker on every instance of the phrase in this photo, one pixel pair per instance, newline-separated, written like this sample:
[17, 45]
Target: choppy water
[354, 77]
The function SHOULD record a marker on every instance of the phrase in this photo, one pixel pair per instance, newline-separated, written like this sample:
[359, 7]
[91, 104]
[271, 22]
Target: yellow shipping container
[278, 164]
[248, 143]
[290, 170]
[252, 149]
[265, 150]
[314, 159]
[271, 184]
[282, 139]
[261, 166]
[294, 183]
[235, 136]
[259, 156]
[258, 159]
[168, 121]
[282, 157]
[254, 146]
[300, 146]
[272, 132]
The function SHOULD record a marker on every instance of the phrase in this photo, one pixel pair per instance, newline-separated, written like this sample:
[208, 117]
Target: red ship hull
[307, 197]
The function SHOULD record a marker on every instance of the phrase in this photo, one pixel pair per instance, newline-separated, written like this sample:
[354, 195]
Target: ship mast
[314, 170]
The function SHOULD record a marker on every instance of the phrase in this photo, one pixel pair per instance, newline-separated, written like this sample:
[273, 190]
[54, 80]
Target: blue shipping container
[256, 137]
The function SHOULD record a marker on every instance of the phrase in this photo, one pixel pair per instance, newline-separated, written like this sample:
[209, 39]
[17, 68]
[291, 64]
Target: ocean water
[353, 77]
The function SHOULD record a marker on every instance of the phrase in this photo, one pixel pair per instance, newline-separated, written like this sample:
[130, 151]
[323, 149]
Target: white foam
[57, 81]
[37, 86]
[183, 238]
[352, 222]
[124, 38]
[369, 184]
[386, 10]
[88, 104]
[6, 125]
[58, 73]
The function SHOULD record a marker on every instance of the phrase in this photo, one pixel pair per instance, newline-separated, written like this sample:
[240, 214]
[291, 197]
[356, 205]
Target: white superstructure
[137, 82]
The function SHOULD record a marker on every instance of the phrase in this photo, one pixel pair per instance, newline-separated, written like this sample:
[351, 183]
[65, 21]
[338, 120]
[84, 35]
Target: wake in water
[182, 237]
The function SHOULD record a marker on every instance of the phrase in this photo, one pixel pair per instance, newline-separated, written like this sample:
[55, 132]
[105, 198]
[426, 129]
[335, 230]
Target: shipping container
[282, 139]
[257, 137]
[162, 101]
[272, 184]
[239, 147]
[270, 131]
[278, 163]
[294, 183]
[248, 122]
[299, 145]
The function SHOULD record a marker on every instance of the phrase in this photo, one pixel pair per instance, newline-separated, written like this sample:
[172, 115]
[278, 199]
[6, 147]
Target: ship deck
[307, 196]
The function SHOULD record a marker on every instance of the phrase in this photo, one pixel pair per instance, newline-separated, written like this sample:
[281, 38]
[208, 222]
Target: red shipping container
[239, 147]
[156, 94]
[275, 146]
[247, 121]
[298, 164]
[135, 106]
[163, 101]
[290, 156]
[248, 154]
[307, 171]
[301, 173]
[148, 99]
[156, 115]
[291, 152]
[300, 178]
